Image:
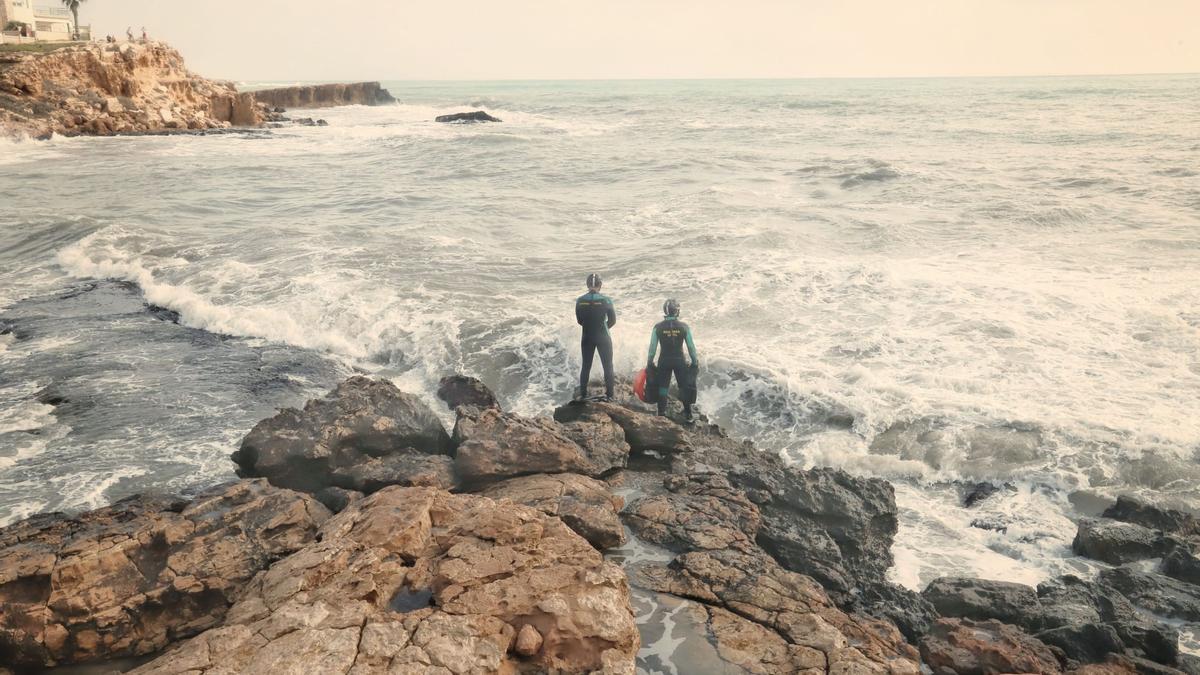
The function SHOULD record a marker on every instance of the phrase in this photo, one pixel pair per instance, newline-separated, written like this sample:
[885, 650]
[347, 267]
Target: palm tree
[73, 5]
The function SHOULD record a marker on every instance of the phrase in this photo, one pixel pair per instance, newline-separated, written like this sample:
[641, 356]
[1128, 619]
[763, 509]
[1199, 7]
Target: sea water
[932, 281]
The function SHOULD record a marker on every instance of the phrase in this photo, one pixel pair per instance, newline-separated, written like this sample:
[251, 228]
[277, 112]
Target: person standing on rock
[673, 335]
[595, 313]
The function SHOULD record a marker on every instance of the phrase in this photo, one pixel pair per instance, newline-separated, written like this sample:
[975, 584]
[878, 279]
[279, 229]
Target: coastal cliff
[104, 89]
[325, 95]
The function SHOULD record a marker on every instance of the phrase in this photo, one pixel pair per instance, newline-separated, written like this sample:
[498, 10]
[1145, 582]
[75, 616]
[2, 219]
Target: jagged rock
[529, 641]
[584, 504]
[978, 492]
[702, 512]
[494, 445]
[477, 116]
[420, 580]
[1132, 510]
[324, 95]
[983, 599]
[911, 612]
[794, 606]
[336, 499]
[1071, 601]
[643, 432]
[359, 420]
[1086, 643]
[1160, 594]
[826, 523]
[602, 440]
[405, 470]
[1182, 564]
[461, 390]
[1117, 543]
[966, 647]
[130, 578]
[101, 89]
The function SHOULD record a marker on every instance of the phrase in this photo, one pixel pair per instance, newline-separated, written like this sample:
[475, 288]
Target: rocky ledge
[366, 538]
[137, 88]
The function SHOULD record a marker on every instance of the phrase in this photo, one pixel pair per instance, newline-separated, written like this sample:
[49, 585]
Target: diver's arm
[691, 346]
[653, 346]
[612, 313]
[578, 312]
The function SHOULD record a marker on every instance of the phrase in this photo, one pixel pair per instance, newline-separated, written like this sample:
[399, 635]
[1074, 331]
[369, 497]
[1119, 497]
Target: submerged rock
[1133, 510]
[486, 573]
[477, 116]
[583, 503]
[360, 420]
[130, 578]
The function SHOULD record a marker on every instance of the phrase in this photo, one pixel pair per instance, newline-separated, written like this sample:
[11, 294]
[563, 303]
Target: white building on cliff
[37, 20]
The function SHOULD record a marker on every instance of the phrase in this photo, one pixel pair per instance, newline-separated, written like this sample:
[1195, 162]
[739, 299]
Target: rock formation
[416, 580]
[467, 117]
[325, 95]
[130, 578]
[103, 89]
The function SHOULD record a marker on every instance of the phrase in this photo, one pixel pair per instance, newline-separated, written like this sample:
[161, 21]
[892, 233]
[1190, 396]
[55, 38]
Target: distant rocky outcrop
[467, 117]
[104, 89]
[325, 95]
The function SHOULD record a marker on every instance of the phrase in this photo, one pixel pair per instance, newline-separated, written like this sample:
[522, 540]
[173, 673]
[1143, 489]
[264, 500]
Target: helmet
[671, 307]
[593, 281]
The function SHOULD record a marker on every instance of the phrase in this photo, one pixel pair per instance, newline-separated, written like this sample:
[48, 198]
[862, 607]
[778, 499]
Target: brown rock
[359, 420]
[529, 641]
[703, 512]
[326, 95]
[985, 647]
[643, 432]
[794, 606]
[583, 503]
[420, 580]
[494, 445]
[130, 578]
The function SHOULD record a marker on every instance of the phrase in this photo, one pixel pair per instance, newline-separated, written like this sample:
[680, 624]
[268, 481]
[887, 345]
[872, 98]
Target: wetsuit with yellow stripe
[672, 335]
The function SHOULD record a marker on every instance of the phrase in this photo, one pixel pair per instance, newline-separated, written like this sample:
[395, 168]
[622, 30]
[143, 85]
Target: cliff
[103, 89]
[325, 95]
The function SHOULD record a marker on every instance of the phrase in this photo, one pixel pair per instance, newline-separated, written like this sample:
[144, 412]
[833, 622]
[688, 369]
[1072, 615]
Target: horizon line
[726, 78]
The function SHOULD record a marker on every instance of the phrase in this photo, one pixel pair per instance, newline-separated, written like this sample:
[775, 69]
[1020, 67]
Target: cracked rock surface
[418, 580]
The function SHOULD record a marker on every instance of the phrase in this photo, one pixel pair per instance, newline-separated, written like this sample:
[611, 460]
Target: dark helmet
[593, 281]
[671, 307]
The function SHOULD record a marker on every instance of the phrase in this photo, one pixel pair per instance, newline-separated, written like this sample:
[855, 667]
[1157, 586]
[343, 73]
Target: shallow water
[927, 280]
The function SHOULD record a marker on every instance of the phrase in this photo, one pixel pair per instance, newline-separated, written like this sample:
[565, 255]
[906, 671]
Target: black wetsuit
[672, 335]
[596, 314]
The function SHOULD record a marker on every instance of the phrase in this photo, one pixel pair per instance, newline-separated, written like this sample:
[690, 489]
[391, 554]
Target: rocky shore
[136, 88]
[365, 537]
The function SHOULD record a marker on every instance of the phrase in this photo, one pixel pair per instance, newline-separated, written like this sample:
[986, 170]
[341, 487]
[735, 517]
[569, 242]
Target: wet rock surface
[362, 419]
[467, 117]
[983, 599]
[130, 578]
[1116, 542]
[585, 504]
[488, 574]
[966, 647]
[462, 390]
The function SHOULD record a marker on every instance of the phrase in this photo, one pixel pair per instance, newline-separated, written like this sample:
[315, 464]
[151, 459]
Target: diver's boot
[687, 414]
[662, 408]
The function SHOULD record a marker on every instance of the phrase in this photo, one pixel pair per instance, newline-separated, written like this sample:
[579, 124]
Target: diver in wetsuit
[672, 335]
[596, 314]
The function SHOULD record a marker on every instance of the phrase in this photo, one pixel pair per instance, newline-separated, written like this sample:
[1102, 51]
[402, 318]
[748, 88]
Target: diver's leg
[589, 350]
[605, 347]
[664, 385]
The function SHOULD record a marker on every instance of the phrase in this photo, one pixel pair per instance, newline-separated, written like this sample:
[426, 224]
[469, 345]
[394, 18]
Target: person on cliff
[595, 313]
[673, 335]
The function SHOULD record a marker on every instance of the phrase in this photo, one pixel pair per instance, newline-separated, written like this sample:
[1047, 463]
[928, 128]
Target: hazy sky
[568, 39]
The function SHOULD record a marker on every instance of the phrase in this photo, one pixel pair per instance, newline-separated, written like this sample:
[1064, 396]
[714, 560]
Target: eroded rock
[462, 390]
[130, 578]
[584, 504]
[494, 445]
[480, 572]
[362, 419]
[1117, 543]
[966, 647]
[702, 512]
[983, 599]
